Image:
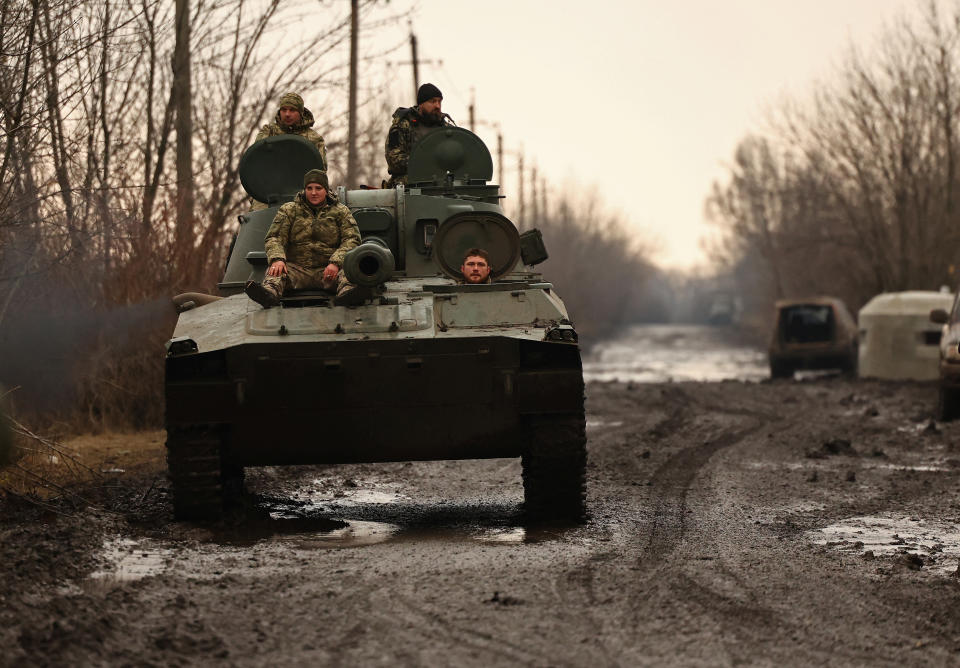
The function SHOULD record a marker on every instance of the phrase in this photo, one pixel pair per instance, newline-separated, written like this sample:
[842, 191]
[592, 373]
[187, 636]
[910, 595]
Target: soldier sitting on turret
[409, 126]
[306, 245]
[476, 266]
[295, 119]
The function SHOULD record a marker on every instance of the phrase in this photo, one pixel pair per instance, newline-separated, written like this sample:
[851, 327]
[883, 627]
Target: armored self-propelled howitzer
[429, 368]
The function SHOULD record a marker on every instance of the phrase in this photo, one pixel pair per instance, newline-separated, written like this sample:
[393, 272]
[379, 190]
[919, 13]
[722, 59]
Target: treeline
[599, 266]
[123, 123]
[855, 190]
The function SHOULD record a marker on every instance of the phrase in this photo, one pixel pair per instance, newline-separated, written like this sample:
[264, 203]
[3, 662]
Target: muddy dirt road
[814, 522]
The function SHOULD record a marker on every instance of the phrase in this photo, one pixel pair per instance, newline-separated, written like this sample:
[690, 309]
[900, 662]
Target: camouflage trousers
[301, 278]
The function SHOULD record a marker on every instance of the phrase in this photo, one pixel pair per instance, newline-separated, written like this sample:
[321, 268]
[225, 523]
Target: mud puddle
[593, 424]
[356, 533]
[257, 536]
[127, 560]
[853, 465]
[932, 545]
[663, 353]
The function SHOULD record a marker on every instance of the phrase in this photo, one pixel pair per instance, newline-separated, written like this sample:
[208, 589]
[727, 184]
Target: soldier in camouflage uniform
[306, 245]
[409, 126]
[292, 118]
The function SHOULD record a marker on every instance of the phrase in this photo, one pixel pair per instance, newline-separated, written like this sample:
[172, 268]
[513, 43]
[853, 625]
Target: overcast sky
[642, 101]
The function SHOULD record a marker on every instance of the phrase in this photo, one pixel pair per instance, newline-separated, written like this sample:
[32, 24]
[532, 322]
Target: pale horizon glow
[641, 103]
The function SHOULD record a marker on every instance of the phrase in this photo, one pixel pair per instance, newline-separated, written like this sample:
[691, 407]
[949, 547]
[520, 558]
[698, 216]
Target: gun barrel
[370, 264]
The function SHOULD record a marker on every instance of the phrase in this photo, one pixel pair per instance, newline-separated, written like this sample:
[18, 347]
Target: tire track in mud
[671, 483]
[742, 621]
[576, 591]
[410, 618]
[737, 607]
[575, 588]
[673, 401]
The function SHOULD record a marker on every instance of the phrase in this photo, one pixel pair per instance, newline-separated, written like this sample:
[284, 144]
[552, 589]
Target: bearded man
[409, 126]
[476, 266]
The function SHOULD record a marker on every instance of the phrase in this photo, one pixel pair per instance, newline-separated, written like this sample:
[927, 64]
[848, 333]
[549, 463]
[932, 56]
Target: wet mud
[809, 522]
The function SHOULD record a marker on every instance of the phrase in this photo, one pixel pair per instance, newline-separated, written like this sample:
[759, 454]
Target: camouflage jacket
[408, 127]
[304, 129]
[312, 236]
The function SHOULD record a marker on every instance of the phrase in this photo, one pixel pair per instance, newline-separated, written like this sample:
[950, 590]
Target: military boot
[352, 295]
[261, 294]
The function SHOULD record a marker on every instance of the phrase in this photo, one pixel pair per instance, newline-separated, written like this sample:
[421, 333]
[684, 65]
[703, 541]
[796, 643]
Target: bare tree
[123, 125]
[860, 195]
[183, 98]
[598, 266]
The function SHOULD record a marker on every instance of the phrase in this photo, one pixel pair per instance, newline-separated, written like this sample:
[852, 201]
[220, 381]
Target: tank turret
[403, 355]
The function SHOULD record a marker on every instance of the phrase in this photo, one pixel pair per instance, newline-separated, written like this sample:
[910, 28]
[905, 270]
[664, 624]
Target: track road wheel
[232, 477]
[554, 468]
[193, 464]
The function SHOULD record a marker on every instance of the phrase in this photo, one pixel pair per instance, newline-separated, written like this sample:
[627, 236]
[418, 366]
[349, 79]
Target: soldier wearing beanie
[306, 245]
[292, 118]
[410, 125]
[316, 176]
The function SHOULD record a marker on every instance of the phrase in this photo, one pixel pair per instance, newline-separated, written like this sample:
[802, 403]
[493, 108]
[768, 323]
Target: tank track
[554, 468]
[195, 464]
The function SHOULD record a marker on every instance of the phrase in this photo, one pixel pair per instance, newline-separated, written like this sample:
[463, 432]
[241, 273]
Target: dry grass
[50, 469]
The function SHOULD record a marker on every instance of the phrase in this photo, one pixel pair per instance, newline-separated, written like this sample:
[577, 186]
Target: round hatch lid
[272, 169]
[453, 150]
[488, 230]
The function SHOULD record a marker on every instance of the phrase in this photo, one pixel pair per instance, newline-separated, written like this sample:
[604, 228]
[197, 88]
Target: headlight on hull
[562, 333]
[182, 345]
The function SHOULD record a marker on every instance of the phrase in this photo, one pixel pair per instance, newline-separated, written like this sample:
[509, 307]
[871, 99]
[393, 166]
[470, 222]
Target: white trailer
[897, 339]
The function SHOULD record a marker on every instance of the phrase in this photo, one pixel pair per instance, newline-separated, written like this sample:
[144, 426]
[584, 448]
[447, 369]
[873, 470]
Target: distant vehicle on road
[725, 309]
[812, 333]
[948, 397]
[897, 339]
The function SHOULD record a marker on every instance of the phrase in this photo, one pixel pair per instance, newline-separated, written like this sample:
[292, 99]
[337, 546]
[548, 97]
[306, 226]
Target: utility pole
[416, 63]
[535, 199]
[473, 104]
[544, 210]
[496, 125]
[500, 157]
[184, 125]
[521, 212]
[352, 118]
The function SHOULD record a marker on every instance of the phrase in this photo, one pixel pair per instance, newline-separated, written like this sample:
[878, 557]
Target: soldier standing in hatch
[293, 119]
[306, 245]
[409, 126]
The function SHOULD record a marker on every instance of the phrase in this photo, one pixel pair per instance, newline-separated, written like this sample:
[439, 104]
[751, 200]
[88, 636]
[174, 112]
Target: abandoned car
[812, 333]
